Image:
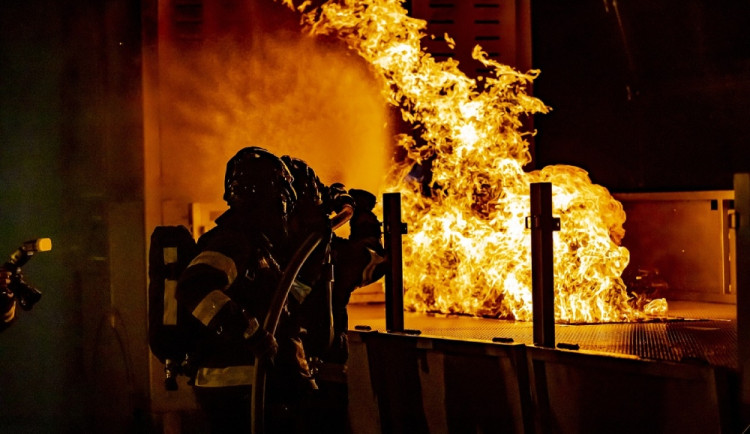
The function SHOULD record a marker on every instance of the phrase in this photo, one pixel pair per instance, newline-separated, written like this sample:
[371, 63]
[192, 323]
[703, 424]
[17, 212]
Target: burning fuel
[464, 190]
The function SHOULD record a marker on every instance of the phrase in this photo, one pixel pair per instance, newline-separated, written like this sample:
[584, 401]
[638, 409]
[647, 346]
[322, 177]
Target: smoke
[285, 92]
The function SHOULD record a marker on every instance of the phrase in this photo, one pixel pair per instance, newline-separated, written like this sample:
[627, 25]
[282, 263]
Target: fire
[468, 251]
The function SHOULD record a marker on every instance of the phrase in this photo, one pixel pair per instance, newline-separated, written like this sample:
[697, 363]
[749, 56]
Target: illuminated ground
[695, 332]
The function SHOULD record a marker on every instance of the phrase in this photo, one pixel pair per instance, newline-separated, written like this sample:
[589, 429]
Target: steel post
[542, 224]
[393, 228]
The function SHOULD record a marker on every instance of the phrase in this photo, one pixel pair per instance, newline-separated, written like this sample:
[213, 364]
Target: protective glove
[338, 197]
[364, 223]
[261, 343]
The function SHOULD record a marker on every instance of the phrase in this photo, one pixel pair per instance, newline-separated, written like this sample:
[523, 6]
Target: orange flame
[467, 250]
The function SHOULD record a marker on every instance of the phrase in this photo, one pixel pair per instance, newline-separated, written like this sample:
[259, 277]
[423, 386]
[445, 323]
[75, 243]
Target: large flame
[468, 250]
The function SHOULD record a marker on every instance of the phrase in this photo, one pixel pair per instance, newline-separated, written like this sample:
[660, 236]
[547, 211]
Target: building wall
[71, 165]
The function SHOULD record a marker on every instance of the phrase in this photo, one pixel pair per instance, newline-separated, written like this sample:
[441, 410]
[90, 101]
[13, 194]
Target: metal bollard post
[542, 224]
[393, 228]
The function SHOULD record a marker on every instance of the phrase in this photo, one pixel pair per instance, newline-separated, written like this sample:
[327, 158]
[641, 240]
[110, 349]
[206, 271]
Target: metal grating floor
[694, 333]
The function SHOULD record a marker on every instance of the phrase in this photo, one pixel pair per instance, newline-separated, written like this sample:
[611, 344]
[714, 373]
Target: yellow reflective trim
[219, 261]
[225, 377]
[10, 314]
[210, 306]
[169, 316]
[300, 291]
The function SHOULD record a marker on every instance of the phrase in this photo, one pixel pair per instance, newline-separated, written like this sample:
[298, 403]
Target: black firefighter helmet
[258, 181]
[306, 182]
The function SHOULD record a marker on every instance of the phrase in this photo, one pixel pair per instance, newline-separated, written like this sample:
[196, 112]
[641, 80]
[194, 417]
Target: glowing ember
[468, 250]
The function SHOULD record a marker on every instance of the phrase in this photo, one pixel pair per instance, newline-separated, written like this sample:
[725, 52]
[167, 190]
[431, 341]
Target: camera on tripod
[25, 294]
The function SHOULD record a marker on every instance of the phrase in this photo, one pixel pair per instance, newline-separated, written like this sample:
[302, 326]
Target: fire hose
[278, 301]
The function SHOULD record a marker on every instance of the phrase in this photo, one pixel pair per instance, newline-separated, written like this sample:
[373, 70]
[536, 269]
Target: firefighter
[228, 287]
[359, 260]
[325, 284]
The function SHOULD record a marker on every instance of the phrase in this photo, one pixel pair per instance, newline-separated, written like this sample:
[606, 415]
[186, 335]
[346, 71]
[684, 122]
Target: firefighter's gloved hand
[338, 197]
[262, 344]
[364, 223]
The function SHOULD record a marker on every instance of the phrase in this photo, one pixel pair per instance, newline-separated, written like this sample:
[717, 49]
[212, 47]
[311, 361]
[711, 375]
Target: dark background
[655, 101]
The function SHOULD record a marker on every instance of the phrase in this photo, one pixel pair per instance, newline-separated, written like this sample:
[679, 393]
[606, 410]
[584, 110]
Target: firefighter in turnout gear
[228, 288]
[324, 286]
